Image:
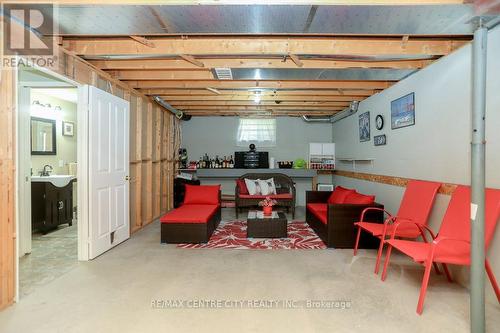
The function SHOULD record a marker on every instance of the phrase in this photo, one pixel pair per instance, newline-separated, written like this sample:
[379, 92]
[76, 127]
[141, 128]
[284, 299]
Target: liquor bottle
[217, 162]
[231, 162]
[225, 162]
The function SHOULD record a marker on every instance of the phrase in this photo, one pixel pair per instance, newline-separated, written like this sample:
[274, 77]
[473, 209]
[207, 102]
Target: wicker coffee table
[260, 226]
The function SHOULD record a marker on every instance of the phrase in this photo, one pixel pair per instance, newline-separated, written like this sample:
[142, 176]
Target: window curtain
[258, 131]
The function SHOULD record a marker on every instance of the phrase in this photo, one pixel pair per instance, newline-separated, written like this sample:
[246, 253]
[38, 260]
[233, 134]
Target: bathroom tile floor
[53, 255]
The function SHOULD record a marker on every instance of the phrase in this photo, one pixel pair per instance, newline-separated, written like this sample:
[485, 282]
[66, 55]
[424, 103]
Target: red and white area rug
[233, 235]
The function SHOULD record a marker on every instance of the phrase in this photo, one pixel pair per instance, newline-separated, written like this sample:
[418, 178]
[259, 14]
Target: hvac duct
[352, 109]
[178, 113]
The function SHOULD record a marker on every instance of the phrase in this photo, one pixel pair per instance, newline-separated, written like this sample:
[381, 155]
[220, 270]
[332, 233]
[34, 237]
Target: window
[260, 131]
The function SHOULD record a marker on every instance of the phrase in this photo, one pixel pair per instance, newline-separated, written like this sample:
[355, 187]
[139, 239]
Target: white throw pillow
[253, 186]
[267, 186]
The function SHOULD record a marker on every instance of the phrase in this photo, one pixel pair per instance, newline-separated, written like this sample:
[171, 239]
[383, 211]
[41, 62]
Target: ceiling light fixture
[256, 97]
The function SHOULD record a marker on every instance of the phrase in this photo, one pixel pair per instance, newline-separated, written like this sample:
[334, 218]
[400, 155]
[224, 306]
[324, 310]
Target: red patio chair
[415, 206]
[452, 244]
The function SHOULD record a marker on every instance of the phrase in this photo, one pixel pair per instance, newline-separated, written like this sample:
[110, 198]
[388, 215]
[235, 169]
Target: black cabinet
[50, 206]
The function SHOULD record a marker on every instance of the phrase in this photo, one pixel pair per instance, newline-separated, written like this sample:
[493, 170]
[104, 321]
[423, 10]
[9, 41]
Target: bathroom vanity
[51, 201]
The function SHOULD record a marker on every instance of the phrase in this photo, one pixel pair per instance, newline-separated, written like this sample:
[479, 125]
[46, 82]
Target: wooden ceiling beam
[267, 103]
[176, 64]
[260, 107]
[203, 91]
[251, 84]
[285, 98]
[340, 46]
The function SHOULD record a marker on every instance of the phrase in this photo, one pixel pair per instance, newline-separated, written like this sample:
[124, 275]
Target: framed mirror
[43, 136]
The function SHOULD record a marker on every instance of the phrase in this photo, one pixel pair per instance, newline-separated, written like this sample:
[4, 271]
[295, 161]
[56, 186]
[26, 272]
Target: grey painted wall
[217, 136]
[438, 146]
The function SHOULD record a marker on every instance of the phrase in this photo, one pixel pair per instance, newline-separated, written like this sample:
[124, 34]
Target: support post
[477, 274]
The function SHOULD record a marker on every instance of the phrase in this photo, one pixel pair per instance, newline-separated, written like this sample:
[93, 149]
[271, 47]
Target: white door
[108, 185]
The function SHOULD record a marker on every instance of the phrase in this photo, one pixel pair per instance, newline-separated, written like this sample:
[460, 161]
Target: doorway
[72, 175]
[47, 178]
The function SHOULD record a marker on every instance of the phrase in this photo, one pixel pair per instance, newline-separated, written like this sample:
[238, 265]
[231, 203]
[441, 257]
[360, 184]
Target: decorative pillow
[242, 186]
[339, 195]
[359, 199]
[253, 186]
[202, 195]
[267, 186]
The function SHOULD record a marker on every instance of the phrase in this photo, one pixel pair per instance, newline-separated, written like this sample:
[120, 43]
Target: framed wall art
[364, 127]
[403, 111]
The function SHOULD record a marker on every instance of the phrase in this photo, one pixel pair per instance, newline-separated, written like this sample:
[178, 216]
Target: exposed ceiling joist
[353, 46]
[263, 107]
[235, 92]
[251, 84]
[267, 102]
[285, 98]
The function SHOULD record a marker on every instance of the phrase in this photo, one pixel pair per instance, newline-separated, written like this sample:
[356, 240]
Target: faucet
[45, 172]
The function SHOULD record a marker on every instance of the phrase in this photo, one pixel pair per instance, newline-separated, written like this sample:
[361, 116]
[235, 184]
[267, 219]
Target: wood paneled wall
[152, 156]
[7, 194]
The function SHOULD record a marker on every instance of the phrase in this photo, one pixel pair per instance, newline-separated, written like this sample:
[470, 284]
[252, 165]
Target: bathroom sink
[56, 180]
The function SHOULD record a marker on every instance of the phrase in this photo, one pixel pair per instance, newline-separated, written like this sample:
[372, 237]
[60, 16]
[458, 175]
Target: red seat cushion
[202, 195]
[272, 196]
[242, 186]
[406, 230]
[339, 195]
[319, 210]
[356, 198]
[190, 214]
[451, 252]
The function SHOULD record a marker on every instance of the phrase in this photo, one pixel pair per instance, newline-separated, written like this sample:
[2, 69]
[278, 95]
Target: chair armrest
[421, 227]
[317, 196]
[444, 239]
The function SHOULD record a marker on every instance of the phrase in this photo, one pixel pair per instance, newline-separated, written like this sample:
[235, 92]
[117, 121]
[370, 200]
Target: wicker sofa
[285, 188]
[334, 223]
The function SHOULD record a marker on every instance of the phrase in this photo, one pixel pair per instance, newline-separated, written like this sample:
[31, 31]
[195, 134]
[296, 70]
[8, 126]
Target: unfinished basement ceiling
[267, 19]
[298, 59]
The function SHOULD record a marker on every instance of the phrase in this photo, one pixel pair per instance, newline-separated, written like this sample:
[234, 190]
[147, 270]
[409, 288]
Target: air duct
[178, 113]
[352, 109]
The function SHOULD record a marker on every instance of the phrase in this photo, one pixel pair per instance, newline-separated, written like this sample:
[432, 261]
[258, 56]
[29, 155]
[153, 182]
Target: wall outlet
[61, 163]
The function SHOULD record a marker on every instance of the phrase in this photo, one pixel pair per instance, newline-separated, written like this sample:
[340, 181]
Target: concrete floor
[115, 293]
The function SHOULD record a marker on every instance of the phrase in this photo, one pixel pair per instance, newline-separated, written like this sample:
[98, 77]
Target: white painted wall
[217, 136]
[437, 147]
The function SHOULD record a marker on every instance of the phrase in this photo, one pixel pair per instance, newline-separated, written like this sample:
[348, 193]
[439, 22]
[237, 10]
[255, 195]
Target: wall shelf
[353, 161]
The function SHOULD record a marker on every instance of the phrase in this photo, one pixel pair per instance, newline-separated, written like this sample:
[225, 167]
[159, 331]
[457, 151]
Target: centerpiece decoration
[267, 205]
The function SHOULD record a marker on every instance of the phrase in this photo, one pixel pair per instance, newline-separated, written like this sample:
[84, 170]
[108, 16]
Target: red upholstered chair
[452, 244]
[416, 206]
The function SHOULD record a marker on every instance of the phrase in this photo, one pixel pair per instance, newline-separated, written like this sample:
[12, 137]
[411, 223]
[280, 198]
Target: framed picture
[403, 111]
[68, 128]
[379, 140]
[364, 127]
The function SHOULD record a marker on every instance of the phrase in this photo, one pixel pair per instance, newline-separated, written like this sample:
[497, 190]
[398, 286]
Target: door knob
[127, 178]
